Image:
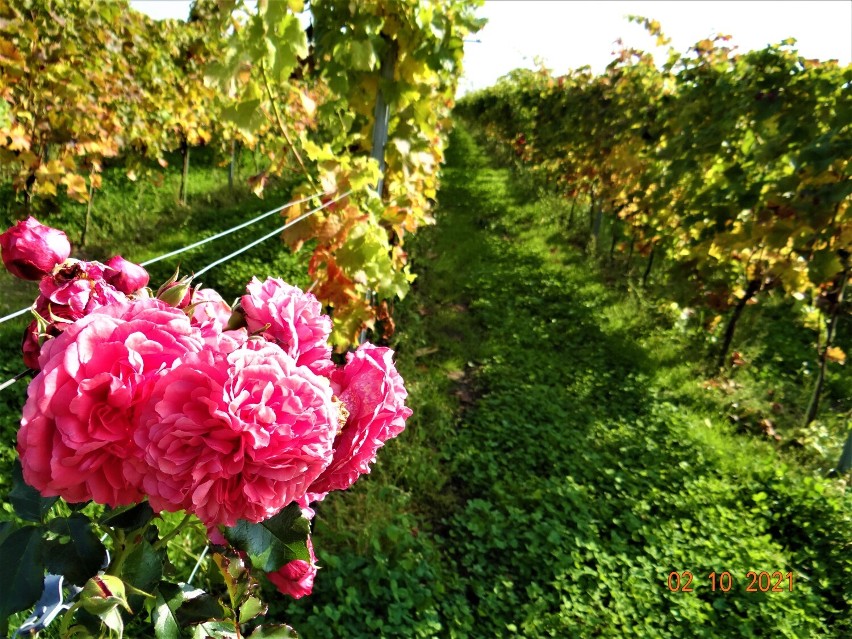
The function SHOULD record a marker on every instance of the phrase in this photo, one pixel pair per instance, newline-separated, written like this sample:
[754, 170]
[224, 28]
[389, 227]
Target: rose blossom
[78, 285]
[374, 394]
[75, 290]
[296, 578]
[124, 275]
[76, 435]
[209, 310]
[235, 436]
[31, 250]
[295, 318]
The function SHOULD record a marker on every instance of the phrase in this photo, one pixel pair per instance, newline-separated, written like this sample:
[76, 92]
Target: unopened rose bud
[32, 250]
[177, 294]
[124, 275]
[31, 346]
[102, 593]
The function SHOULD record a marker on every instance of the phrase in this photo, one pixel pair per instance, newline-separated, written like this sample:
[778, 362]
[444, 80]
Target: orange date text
[754, 581]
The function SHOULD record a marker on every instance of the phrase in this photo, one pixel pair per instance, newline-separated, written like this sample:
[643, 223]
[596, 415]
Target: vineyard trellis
[732, 168]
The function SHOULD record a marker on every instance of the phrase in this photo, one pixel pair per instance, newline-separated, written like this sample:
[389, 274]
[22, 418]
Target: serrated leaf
[198, 609]
[26, 500]
[128, 517]
[142, 569]
[238, 579]
[165, 622]
[274, 542]
[362, 56]
[215, 630]
[23, 571]
[251, 608]
[78, 559]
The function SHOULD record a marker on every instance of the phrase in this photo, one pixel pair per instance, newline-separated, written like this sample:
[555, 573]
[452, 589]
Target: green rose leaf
[78, 553]
[143, 570]
[238, 579]
[25, 499]
[274, 542]
[23, 571]
[274, 632]
[128, 517]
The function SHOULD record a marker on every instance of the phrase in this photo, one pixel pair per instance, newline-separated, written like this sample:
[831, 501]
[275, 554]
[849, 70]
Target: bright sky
[571, 33]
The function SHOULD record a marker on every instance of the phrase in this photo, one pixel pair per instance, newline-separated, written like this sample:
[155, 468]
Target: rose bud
[297, 577]
[31, 250]
[177, 294]
[124, 275]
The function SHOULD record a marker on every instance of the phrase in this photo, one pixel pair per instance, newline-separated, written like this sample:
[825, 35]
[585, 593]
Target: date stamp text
[754, 581]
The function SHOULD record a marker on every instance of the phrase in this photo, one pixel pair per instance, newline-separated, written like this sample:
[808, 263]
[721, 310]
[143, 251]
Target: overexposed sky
[571, 33]
[567, 34]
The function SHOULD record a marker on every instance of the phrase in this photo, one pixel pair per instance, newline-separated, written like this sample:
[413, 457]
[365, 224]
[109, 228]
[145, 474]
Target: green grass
[564, 455]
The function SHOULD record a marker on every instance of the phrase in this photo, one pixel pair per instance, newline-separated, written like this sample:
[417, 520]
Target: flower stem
[67, 618]
[171, 534]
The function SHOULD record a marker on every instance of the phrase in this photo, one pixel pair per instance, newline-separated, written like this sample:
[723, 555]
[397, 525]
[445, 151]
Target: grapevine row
[732, 167]
[85, 81]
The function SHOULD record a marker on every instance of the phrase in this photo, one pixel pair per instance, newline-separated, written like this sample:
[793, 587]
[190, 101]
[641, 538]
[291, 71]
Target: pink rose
[374, 394]
[209, 310]
[78, 285]
[75, 290]
[76, 435]
[295, 318]
[125, 276]
[297, 577]
[31, 250]
[235, 436]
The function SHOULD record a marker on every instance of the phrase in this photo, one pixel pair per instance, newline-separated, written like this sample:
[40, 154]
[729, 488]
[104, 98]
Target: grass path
[563, 460]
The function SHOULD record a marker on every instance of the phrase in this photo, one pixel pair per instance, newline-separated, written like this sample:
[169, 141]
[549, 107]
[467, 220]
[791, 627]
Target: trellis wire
[194, 245]
[197, 565]
[15, 314]
[9, 382]
[268, 235]
[231, 230]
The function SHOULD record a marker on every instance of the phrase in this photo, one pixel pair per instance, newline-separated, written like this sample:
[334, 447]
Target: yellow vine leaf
[835, 354]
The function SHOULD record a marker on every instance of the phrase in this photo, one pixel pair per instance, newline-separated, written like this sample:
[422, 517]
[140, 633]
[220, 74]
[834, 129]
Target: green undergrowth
[563, 459]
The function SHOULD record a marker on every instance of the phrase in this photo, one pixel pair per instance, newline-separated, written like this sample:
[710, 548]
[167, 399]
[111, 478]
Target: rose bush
[151, 402]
